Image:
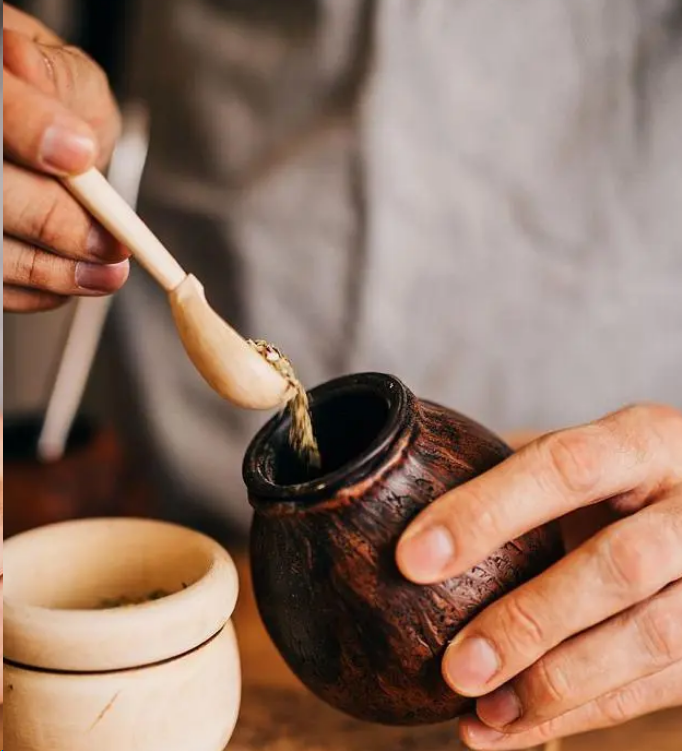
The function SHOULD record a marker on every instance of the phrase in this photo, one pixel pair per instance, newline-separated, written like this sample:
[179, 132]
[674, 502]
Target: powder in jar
[301, 434]
[122, 602]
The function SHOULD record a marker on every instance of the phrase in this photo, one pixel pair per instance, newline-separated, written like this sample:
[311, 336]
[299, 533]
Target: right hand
[60, 118]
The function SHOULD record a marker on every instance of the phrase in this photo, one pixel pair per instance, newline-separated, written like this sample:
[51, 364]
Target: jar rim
[57, 629]
[265, 493]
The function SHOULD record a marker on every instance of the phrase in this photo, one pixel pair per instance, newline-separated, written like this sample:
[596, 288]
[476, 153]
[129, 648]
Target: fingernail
[500, 708]
[480, 735]
[468, 665]
[66, 150]
[100, 277]
[426, 554]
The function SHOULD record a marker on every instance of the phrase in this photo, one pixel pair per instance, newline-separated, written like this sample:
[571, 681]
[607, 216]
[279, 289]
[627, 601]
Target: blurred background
[479, 196]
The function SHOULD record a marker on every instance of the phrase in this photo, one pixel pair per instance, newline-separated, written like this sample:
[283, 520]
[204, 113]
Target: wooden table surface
[278, 714]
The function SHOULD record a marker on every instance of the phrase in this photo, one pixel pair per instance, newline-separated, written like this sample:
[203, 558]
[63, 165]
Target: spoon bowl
[225, 360]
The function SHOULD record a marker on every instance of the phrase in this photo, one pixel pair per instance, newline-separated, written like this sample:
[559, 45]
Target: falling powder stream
[301, 434]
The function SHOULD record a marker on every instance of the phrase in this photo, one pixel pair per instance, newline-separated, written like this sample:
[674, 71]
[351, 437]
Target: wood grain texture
[309, 725]
[279, 719]
[349, 625]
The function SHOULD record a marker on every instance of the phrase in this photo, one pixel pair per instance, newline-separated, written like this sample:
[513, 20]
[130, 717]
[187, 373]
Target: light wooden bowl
[163, 675]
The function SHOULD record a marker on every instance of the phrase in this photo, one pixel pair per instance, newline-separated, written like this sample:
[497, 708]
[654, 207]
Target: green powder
[122, 602]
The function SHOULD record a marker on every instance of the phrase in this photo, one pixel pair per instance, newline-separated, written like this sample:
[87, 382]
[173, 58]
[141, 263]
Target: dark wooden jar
[322, 549]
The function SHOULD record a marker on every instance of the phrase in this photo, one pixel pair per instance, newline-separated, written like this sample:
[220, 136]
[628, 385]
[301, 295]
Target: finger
[40, 132]
[656, 692]
[27, 266]
[636, 452]
[17, 20]
[636, 644]
[619, 567]
[40, 211]
[520, 438]
[18, 300]
[66, 73]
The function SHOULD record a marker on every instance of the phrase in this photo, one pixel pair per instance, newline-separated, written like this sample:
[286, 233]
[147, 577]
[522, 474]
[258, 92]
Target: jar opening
[345, 427]
[355, 418]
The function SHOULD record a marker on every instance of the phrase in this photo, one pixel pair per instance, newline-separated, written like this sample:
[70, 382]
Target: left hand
[60, 119]
[596, 639]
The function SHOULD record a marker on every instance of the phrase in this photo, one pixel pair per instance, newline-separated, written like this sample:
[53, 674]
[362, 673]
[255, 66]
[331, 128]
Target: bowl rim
[85, 641]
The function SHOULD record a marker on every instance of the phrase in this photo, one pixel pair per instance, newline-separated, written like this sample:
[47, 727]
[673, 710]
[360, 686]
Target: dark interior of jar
[21, 434]
[346, 425]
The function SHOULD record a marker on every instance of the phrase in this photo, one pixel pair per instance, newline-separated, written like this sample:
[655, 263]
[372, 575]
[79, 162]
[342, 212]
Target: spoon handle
[95, 193]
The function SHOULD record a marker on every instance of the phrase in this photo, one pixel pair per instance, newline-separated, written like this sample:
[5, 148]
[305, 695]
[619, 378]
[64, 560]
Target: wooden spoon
[225, 360]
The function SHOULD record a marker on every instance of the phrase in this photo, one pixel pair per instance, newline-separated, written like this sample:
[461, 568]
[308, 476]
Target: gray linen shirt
[482, 197]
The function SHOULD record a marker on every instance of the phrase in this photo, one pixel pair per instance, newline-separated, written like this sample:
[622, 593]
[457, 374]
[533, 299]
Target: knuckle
[50, 221]
[640, 412]
[40, 271]
[482, 516]
[65, 69]
[652, 426]
[660, 629]
[84, 70]
[547, 684]
[629, 565]
[618, 707]
[575, 458]
[522, 626]
[38, 275]
[32, 268]
[647, 412]
[58, 224]
[25, 264]
[549, 730]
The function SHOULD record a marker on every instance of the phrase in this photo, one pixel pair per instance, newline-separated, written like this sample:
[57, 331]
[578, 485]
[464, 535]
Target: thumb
[39, 131]
[69, 76]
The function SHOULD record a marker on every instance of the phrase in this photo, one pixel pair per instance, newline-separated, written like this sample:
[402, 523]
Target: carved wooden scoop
[225, 360]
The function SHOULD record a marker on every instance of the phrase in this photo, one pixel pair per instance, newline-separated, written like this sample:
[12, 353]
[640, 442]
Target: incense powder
[301, 434]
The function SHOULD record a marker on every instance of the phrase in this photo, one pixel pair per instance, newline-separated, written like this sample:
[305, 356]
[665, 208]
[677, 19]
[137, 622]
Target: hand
[60, 119]
[596, 639]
